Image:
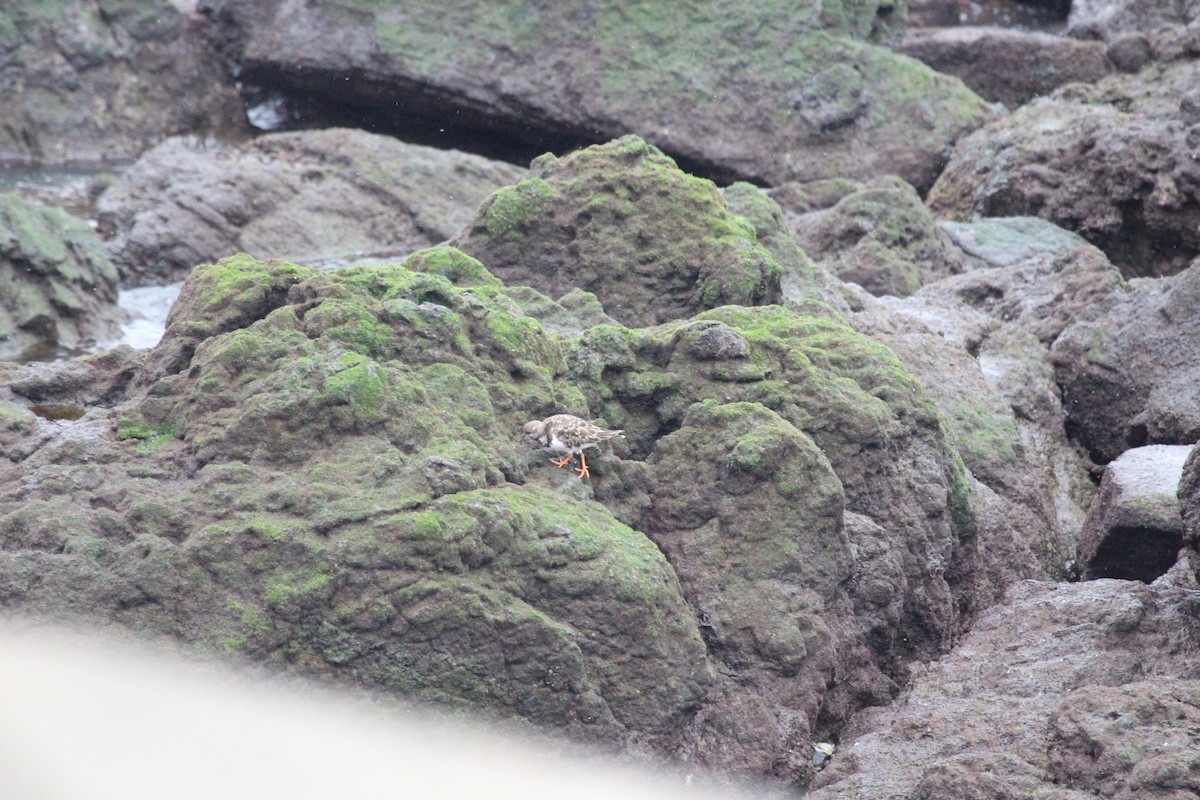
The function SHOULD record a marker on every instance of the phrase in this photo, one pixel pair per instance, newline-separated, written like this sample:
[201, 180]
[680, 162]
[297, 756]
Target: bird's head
[537, 430]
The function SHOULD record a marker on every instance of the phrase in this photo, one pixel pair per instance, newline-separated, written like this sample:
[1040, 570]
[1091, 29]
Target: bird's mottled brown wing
[576, 433]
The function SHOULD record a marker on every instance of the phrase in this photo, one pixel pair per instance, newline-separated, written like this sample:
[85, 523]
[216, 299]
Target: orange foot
[583, 471]
[562, 462]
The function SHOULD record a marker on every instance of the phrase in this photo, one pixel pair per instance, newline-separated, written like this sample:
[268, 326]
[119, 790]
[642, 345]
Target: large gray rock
[222, 497]
[1110, 19]
[316, 197]
[57, 287]
[881, 237]
[104, 81]
[1129, 367]
[1048, 696]
[1136, 529]
[1113, 162]
[1029, 273]
[1007, 66]
[735, 92]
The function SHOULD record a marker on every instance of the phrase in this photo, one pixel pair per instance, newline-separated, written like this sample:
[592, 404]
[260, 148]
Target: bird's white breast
[560, 446]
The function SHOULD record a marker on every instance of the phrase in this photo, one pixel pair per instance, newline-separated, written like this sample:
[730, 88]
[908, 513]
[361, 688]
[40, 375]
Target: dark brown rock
[1130, 53]
[1127, 367]
[1070, 659]
[1007, 66]
[1112, 162]
[1128, 742]
[1135, 530]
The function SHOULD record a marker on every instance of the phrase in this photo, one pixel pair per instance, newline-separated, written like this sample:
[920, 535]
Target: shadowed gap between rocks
[1135, 554]
[420, 114]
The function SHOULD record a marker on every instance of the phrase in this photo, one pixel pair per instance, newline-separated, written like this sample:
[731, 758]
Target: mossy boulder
[267, 359]
[809, 413]
[881, 237]
[801, 279]
[326, 473]
[505, 600]
[622, 221]
[749, 512]
[57, 286]
[757, 91]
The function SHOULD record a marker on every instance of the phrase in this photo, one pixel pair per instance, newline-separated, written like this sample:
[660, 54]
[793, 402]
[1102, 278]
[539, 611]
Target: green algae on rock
[300, 356]
[874, 425]
[100, 81]
[57, 286]
[881, 237]
[324, 470]
[622, 221]
[750, 512]
[758, 91]
[326, 476]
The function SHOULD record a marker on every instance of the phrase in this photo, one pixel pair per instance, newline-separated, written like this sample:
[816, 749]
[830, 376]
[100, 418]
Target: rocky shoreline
[906, 367]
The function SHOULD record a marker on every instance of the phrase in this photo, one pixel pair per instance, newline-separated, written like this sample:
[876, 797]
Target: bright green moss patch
[510, 211]
[244, 279]
[362, 384]
[149, 437]
[356, 325]
[454, 265]
[294, 587]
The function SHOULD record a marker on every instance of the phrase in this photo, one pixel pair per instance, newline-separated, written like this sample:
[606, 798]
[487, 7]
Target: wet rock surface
[685, 77]
[1048, 694]
[57, 286]
[102, 82]
[1136, 529]
[868, 424]
[318, 197]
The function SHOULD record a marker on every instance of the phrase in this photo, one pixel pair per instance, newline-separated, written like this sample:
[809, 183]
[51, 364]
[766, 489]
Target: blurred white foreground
[83, 717]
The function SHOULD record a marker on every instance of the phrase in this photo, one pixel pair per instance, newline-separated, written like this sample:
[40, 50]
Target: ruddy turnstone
[564, 433]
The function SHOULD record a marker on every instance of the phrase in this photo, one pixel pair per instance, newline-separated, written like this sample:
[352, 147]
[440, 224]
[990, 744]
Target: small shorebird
[564, 433]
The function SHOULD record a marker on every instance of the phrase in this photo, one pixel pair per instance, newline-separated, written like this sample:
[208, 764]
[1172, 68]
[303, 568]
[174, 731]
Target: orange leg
[583, 470]
[562, 462]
